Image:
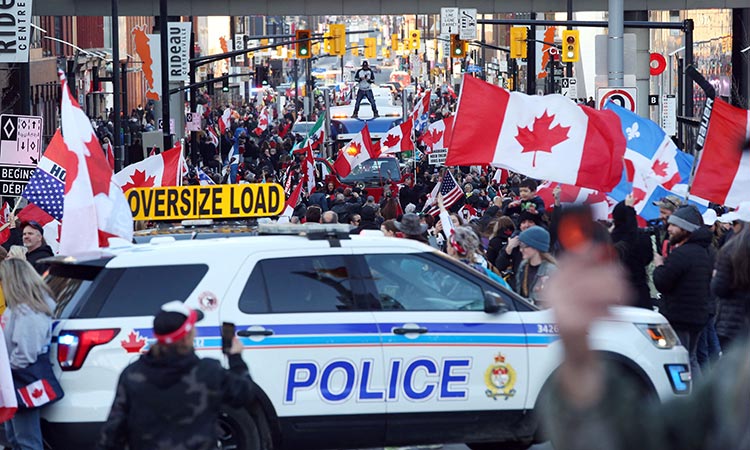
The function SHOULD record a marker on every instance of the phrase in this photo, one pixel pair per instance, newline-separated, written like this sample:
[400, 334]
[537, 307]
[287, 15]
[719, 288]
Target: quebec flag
[654, 166]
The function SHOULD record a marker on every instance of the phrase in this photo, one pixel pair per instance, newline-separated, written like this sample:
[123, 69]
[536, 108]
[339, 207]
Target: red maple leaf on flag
[432, 137]
[660, 168]
[638, 195]
[36, 393]
[542, 138]
[139, 179]
[391, 140]
[134, 343]
[355, 148]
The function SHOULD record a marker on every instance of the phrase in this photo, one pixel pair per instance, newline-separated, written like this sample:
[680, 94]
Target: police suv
[354, 342]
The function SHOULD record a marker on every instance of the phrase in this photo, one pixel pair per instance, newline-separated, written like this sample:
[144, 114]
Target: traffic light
[302, 46]
[371, 50]
[338, 33]
[415, 36]
[225, 83]
[518, 42]
[355, 50]
[571, 51]
[458, 47]
[327, 43]
[394, 42]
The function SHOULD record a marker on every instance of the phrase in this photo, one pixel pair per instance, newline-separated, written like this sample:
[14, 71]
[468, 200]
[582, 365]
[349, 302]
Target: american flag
[203, 178]
[46, 191]
[452, 193]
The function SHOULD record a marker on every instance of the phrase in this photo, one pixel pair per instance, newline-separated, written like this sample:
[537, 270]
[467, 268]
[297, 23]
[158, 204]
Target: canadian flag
[438, 134]
[546, 137]
[308, 171]
[262, 122]
[225, 121]
[575, 195]
[421, 111]
[8, 402]
[4, 225]
[37, 393]
[723, 174]
[94, 206]
[291, 203]
[398, 139]
[110, 151]
[159, 170]
[357, 151]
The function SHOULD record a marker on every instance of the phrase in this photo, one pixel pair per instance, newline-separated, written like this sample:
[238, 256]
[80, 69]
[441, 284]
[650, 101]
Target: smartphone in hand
[227, 336]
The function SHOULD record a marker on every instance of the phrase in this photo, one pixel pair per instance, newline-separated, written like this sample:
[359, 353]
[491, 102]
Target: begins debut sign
[15, 29]
[222, 201]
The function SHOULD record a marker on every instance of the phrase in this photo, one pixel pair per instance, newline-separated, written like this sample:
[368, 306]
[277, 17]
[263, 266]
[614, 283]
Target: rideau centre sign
[15, 31]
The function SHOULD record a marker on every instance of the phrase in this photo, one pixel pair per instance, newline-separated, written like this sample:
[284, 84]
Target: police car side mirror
[494, 303]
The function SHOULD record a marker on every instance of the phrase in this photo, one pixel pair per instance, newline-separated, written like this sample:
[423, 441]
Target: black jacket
[45, 251]
[173, 401]
[684, 282]
[635, 251]
[732, 314]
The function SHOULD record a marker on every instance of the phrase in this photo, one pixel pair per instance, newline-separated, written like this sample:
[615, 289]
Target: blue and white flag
[203, 179]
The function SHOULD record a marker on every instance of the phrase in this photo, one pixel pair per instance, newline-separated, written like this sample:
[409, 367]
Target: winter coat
[684, 282]
[635, 251]
[45, 251]
[732, 314]
[173, 401]
[546, 269]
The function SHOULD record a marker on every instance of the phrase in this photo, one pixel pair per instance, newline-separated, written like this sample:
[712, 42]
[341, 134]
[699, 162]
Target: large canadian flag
[8, 402]
[359, 150]
[545, 137]
[398, 139]
[94, 206]
[158, 170]
[723, 174]
[262, 122]
[225, 121]
[438, 134]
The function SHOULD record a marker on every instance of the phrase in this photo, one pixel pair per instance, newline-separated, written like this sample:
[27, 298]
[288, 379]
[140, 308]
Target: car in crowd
[354, 341]
[374, 177]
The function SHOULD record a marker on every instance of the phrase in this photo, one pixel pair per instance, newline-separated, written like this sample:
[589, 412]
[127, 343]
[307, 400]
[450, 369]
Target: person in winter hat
[684, 278]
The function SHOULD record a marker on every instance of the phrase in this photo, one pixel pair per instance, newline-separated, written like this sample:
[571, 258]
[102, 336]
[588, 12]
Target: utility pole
[531, 59]
[569, 66]
[163, 19]
[615, 44]
[116, 93]
[193, 92]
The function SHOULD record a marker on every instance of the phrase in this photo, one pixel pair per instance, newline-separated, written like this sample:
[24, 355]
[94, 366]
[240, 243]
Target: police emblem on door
[500, 377]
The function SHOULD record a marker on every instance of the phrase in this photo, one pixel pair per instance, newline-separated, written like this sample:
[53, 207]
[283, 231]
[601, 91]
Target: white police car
[361, 342]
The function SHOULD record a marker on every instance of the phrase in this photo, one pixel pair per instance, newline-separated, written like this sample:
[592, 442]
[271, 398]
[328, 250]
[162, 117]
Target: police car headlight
[660, 334]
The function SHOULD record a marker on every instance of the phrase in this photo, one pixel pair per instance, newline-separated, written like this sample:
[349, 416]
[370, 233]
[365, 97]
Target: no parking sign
[621, 96]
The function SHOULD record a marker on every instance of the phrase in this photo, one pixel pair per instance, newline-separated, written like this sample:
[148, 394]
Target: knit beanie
[686, 217]
[535, 237]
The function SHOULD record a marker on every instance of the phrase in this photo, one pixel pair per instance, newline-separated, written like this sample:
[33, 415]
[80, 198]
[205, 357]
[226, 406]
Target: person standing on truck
[365, 77]
[170, 398]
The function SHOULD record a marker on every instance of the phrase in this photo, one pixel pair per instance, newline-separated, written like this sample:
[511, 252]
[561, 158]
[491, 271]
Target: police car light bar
[313, 231]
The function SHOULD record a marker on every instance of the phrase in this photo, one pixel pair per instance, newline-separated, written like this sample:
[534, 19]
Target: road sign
[449, 20]
[160, 123]
[193, 121]
[657, 64]
[653, 100]
[437, 157]
[467, 24]
[20, 140]
[621, 96]
[569, 87]
[669, 114]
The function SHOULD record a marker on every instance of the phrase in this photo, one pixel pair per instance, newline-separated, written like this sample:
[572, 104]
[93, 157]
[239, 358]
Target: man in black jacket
[684, 278]
[33, 240]
[170, 398]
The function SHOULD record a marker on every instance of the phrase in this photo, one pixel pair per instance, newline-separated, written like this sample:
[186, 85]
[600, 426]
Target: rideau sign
[15, 30]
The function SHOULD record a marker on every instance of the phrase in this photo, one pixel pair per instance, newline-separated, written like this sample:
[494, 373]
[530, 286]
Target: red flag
[109, 148]
[548, 138]
[308, 171]
[159, 170]
[4, 226]
[357, 151]
[262, 122]
[723, 174]
[33, 213]
[422, 106]
[438, 134]
[225, 121]
[291, 203]
[575, 195]
[95, 207]
[8, 402]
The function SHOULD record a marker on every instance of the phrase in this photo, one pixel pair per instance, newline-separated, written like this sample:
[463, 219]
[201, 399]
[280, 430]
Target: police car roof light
[313, 231]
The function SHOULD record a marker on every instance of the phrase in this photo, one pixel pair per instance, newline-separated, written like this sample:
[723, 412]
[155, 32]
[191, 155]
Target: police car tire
[242, 430]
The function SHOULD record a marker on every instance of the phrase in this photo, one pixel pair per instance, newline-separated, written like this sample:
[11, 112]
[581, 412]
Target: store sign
[15, 31]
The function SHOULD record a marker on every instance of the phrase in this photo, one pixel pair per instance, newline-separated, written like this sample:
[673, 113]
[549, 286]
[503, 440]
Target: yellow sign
[206, 202]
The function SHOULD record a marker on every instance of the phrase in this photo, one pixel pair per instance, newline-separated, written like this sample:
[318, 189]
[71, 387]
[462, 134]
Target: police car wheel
[238, 430]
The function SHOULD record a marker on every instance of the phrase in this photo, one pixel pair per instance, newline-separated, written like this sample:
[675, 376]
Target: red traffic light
[571, 40]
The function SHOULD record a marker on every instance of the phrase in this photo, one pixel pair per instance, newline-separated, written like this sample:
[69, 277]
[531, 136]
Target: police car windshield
[374, 171]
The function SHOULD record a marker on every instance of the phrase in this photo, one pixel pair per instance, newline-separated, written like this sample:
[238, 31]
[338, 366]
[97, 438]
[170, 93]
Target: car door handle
[248, 333]
[401, 330]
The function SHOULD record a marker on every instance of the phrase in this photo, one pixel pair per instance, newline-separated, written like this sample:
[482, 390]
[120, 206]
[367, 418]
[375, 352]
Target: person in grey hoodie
[27, 332]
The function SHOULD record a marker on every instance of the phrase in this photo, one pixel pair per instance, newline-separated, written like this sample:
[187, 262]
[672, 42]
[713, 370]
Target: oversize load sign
[207, 202]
